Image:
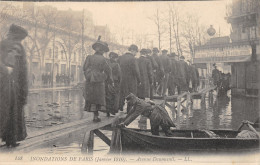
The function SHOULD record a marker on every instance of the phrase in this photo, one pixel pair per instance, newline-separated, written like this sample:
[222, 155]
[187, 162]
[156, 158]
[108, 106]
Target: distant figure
[194, 78]
[157, 114]
[96, 71]
[216, 75]
[130, 74]
[112, 92]
[13, 86]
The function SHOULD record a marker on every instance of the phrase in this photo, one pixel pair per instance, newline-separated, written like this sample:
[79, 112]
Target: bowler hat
[164, 51]
[101, 44]
[182, 57]
[155, 50]
[143, 51]
[17, 31]
[133, 48]
[113, 55]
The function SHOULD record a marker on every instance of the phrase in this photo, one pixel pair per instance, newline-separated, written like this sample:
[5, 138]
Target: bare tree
[158, 21]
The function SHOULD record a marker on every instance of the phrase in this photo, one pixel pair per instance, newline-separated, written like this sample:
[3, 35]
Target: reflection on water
[46, 108]
[50, 108]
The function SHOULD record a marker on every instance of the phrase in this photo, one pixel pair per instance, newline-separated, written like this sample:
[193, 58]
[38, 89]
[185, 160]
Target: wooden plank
[30, 143]
[102, 136]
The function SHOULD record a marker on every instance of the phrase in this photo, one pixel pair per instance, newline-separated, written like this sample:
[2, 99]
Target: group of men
[110, 81]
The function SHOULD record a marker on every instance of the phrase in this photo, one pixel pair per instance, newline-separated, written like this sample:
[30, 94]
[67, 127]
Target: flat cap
[17, 31]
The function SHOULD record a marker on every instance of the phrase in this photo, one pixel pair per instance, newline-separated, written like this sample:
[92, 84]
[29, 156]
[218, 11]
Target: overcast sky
[134, 15]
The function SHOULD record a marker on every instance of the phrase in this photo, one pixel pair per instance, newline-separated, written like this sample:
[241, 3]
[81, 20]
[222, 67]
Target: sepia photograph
[130, 82]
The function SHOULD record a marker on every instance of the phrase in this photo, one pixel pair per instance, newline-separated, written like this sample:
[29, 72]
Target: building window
[50, 53]
[62, 54]
[56, 52]
[75, 56]
[252, 31]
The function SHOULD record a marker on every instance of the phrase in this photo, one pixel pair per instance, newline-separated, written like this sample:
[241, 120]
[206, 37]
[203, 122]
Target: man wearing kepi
[13, 86]
[96, 71]
[130, 74]
[157, 114]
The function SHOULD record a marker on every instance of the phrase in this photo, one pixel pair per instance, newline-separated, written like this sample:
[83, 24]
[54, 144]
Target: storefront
[237, 58]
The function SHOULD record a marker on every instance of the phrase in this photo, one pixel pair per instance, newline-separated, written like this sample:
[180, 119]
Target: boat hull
[136, 140]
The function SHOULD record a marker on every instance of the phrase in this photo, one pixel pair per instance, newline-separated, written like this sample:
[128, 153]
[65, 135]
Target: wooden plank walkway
[38, 138]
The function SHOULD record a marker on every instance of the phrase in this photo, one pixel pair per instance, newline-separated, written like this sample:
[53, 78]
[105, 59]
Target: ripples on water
[223, 113]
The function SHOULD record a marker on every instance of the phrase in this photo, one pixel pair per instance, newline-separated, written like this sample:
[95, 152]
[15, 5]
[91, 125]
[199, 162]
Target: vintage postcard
[143, 82]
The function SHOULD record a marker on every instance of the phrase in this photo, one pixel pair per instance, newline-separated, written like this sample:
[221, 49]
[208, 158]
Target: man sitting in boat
[157, 114]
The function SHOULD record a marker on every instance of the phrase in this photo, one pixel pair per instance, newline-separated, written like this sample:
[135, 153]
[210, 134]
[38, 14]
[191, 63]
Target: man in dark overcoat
[166, 63]
[112, 92]
[216, 75]
[96, 71]
[182, 75]
[13, 86]
[145, 68]
[130, 74]
[172, 77]
[157, 114]
[159, 72]
[154, 67]
[194, 78]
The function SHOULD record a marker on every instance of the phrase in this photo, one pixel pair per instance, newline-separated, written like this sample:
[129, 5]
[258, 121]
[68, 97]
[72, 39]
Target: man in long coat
[216, 75]
[194, 78]
[154, 68]
[159, 72]
[166, 63]
[145, 68]
[130, 74]
[96, 71]
[182, 75]
[157, 114]
[112, 93]
[172, 77]
[13, 86]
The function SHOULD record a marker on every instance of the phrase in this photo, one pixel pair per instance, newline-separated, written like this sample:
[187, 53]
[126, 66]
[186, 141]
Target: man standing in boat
[96, 69]
[157, 114]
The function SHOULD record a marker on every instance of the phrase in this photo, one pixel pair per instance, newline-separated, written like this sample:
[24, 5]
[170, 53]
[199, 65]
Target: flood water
[50, 108]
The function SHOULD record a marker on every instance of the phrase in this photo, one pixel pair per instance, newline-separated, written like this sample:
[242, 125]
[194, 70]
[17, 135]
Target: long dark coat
[13, 91]
[182, 75]
[159, 73]
[130, 76]
[194, 75]
[154, 67]
[172, 77]
[112, 93]
[166, 64]
[96, 71]
[145, 68]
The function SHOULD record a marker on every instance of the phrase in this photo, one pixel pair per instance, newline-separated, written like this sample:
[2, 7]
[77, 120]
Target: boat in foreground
[189, 140]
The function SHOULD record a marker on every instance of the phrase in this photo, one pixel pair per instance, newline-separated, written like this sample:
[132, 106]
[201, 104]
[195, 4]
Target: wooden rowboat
[136, 140]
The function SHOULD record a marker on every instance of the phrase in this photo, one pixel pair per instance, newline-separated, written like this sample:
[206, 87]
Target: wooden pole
[88, 143]
[178, 112]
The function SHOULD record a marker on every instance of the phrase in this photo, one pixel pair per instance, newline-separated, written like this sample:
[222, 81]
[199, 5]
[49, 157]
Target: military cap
[156, 50]
[164, 51]
[17, 31]
[113, 55]
[143, 51]
[101, 44]
[133, 47]
[182, 57]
